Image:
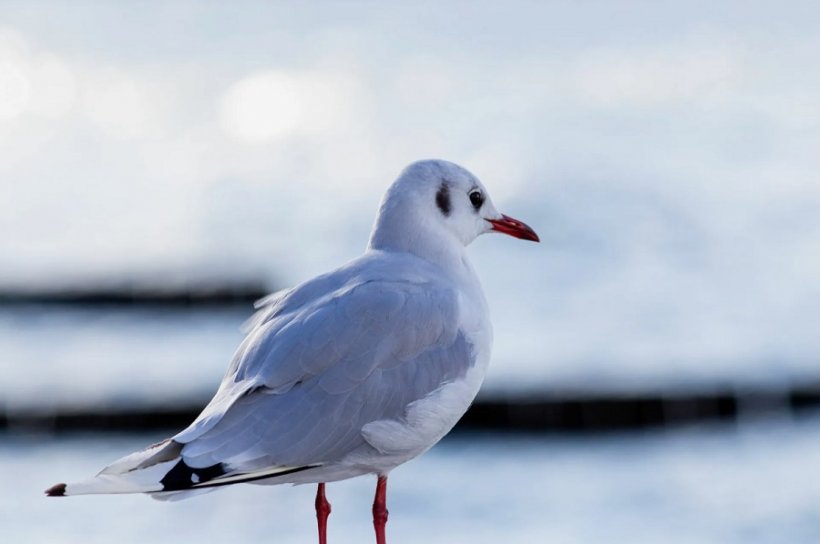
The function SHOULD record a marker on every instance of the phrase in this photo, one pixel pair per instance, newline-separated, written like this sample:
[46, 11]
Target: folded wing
[320, 363]
[306, 382]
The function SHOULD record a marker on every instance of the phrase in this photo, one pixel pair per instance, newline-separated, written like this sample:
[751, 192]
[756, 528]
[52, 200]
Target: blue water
[737, 485]
[57, 357]
[666, 154]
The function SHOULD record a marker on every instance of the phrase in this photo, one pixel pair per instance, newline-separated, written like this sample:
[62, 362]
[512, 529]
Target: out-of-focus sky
[667, 154]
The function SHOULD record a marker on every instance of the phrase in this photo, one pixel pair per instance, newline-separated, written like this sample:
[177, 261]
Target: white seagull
[350, 373]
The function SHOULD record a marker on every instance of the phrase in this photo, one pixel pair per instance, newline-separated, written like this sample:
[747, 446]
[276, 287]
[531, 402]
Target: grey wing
[304, 384]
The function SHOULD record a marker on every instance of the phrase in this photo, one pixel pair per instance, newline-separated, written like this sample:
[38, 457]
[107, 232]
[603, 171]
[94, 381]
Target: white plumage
[352, 372]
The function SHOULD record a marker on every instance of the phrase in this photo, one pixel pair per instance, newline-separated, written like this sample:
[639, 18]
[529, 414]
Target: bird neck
[441, 249]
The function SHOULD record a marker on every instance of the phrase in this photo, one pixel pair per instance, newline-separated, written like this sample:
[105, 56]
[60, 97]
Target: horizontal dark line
[592, 413]
[217, 483]
[206, 296]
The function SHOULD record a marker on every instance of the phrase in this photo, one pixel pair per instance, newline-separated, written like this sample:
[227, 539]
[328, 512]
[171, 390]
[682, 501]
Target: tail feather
[166, 450]
[57, 490]
[138, 472]
[161, 471]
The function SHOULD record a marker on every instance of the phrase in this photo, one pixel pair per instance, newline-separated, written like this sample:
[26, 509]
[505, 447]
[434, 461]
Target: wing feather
[309, 377]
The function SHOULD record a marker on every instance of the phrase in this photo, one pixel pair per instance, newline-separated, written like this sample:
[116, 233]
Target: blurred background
[655, 371]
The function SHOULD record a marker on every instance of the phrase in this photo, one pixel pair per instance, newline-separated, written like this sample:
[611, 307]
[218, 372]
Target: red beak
[513, 227]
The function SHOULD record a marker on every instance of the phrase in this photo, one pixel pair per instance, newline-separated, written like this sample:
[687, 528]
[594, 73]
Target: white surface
[727, 486]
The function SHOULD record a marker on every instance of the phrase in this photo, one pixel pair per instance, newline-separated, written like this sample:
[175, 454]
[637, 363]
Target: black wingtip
[57, 490]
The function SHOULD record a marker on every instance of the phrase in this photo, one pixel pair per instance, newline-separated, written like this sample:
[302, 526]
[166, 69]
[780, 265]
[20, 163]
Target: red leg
[322, 513]
[380, 509]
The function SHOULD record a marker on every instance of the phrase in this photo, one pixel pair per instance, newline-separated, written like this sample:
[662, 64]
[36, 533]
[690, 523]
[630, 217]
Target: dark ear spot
[443, 199]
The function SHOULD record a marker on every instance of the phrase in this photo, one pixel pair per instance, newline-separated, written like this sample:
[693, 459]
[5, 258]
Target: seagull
[351, 373]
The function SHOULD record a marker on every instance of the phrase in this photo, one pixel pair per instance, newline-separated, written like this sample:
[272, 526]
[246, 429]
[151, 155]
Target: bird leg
[322, 513]
[380, 509]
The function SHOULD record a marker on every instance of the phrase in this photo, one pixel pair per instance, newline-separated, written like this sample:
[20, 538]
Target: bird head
[437, 203]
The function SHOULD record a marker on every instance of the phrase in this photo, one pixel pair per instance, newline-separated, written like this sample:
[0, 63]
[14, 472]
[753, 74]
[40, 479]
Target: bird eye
[476, 199]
